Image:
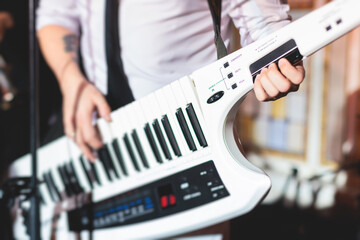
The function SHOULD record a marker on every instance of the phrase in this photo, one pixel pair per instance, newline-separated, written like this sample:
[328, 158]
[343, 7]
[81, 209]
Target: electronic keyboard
[170, 163]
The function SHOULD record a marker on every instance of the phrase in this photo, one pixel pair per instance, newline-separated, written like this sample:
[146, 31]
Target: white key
[45, 195]
[181, 100]
[120, 129]
[164, 106]
[139, 120]
[189, 93]
[174, 105]
[106, 130]
[75, 154]
[147, 104]
[130, 123]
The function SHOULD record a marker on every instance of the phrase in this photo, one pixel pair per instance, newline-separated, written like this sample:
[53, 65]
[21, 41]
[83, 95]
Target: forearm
[60, 46]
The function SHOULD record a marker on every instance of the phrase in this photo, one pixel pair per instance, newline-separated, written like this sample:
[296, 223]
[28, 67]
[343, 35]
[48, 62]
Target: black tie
[119, 93]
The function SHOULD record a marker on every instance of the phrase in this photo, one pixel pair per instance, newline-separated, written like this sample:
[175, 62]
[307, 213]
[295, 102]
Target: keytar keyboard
[170, 163]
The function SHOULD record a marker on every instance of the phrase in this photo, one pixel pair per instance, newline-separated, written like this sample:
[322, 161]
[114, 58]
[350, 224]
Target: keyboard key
[54, 186]
[65, 181]
[49, 187]
[185, 129]
[131, 152]
[196, 125]
[104, 159]
[139, 148]
[116, 147]
[87, 172]
[152, 142]
[170, 134]
[161, 139]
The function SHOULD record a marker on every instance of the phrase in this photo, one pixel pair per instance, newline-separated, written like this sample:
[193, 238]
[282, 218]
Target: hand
[79, 105]
[273, 82]
[6, 22]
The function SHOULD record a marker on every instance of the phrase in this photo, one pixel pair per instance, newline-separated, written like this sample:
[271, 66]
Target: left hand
[6, 22]
[276, 82]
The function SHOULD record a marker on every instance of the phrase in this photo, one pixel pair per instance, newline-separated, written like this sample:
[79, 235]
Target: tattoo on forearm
[71, 45]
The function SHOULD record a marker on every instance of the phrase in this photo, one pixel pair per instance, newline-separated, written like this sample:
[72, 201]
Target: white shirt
[161, 40]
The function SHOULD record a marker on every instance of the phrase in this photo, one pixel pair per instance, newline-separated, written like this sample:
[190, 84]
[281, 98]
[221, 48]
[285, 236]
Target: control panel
[176, 193]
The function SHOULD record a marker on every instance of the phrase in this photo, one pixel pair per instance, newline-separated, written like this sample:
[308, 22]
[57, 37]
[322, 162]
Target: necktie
[119, 92]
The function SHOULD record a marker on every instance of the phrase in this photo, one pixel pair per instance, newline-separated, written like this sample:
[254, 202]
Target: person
[160, 41]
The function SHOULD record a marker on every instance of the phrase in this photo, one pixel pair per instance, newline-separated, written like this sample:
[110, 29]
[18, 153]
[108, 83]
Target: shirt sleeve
[258, 18]
[58, 12]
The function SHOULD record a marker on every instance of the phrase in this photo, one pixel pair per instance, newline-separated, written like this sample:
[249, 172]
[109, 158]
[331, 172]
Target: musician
[160, 41]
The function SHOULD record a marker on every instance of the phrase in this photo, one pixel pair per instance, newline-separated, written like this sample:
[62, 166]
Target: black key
[185, 129]
[65, 181]
[73, 185]
[74, 178]
[139, 148]
[95, 173]
[87, 174]
[196, 125]
[52, 183]
[152, 143]
[111, 161]
[131, 152]
[49, 187]
[119, 156]
[170, 134]
[105, 155]
[161, 139]
[104, 159]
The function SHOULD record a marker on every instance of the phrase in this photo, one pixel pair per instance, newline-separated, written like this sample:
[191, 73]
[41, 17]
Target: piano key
[139, 148]
[182, 101]
[80, 172]
[120, 126]
[152, 143]
[74, 177]
[185, 129]
[191, 98]
[87, 173]
[140, 121]
[95, 173]
[103, 156]
[54, 186]
[73, 185]
[107, 133]
[64, 181]
[161, 139]
[196, 125]
[49, 187]
[167, 94]
[46, 195]
[101, 172]
[116, 147]
[170, 134]
[130, 151]
[150, 109]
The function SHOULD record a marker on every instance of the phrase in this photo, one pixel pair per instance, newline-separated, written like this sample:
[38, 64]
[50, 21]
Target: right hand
[79, 105]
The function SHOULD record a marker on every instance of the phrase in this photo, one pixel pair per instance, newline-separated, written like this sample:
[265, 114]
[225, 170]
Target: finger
[88, 131]
[278, 79]
[267, 84]
[102, 107]
[260, 93]
[85, 149]
[295, 74]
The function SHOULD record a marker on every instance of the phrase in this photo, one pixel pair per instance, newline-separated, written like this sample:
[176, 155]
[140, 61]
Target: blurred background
[307, 142]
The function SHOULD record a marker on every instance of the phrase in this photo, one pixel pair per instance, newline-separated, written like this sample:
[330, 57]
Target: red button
[164, 201]
[172, 199]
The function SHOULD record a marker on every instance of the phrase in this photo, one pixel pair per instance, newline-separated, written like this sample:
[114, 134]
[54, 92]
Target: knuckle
[285, 86]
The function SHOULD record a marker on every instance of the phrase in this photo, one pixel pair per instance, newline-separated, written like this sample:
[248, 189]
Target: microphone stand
[34, 122]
